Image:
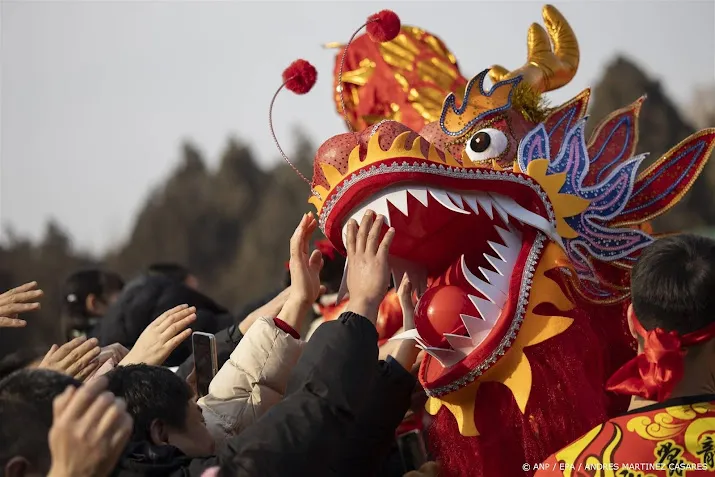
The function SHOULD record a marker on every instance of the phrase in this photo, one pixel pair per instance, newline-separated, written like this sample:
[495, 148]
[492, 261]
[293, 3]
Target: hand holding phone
[205, 360]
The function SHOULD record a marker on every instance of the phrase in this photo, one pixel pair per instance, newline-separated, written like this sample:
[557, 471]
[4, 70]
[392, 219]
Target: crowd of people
[119, 397]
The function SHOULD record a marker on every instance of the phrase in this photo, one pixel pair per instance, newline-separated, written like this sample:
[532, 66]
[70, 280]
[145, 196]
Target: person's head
[163, 408]
[673, 286]
[25, 419]
[24, 358]
[87, 294]
[175, 272]
[38, 387]
[24, 450]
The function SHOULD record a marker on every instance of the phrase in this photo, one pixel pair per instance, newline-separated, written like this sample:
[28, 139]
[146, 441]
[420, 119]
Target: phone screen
[413, 450]
[204, 361]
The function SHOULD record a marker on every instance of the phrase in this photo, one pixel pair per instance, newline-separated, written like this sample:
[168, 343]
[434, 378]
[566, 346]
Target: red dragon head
[518, 231]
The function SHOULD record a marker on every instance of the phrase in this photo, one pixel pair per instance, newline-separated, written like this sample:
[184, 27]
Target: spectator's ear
[18, 466]
[158, 432]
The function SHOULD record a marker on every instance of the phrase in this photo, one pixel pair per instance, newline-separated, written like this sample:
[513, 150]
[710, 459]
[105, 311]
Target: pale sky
[96, 97]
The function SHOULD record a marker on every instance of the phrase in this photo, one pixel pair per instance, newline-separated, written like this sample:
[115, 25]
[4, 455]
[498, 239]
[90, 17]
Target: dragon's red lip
[471, 230]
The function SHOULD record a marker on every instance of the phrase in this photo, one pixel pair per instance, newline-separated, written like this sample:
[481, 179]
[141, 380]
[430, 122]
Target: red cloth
[654, 373]
[286, 327]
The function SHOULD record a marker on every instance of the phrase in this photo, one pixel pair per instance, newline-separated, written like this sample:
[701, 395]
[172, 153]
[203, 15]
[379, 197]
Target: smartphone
[205, 360]
[413, 450]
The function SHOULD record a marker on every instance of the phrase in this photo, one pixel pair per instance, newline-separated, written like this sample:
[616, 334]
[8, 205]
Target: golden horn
[546, 70]
[334, 45]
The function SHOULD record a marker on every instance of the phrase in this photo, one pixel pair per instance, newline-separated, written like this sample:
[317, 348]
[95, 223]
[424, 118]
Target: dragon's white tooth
[446, 357]
[528, 217]
[444, 200]
[457, 199]
[498, 264]
[497, 279]
[511, 239]
[460, 343]
[490, 311]
[505, 253]
[419, 193]
[472, 203]
[486, 203]
[412, 334]
[398, 198]
[490, 292]
[478, 329]
[343, 290]
[503, 213]
[379, 206]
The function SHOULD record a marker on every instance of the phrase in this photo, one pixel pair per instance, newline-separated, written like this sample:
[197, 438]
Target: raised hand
[304, 274]
[90, 428]
[161, 337]
[368, 275]
[16, 301]
[304, 267]
[77, 358]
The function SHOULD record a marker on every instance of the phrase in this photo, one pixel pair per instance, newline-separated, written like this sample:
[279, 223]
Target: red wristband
[282, 325]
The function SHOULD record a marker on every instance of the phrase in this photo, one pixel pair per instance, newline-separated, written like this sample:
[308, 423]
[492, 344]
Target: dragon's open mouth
[468, 243]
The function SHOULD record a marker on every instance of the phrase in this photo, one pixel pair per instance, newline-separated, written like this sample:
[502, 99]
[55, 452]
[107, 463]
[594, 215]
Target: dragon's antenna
[381, 27]
[299, 78]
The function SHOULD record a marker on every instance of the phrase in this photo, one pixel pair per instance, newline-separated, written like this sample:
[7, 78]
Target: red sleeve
[282, 325]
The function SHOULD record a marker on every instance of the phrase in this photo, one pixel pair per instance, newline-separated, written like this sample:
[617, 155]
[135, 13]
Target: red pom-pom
[383, 26]
[300, 76]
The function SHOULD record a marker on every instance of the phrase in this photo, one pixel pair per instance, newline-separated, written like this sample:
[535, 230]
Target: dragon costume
[516, 229]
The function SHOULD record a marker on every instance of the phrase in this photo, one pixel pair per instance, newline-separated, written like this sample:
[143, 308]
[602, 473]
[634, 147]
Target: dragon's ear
[562, 119]
[663, 184]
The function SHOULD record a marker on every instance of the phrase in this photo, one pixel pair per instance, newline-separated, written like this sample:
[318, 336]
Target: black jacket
[147, 297]
[312, 431]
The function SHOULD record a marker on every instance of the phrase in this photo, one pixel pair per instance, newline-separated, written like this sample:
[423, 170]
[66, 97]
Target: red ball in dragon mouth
[438, 312]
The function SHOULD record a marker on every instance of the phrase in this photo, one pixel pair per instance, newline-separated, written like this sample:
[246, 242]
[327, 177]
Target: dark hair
[20, 359]
[673, 284]
[36, 387]
[172, 271]
[151, 392]
[83, 283]
[23, 432]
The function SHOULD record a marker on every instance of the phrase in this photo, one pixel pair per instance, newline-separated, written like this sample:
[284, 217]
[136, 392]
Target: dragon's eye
[486, 144]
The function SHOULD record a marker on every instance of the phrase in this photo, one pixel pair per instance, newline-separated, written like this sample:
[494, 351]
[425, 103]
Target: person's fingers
[384, 250]
[373, 237]
[89, 346]
[363, 231]
[90, 421]
[24, 297]
[405, 290]
[111, 418]
[297, 238]
[351, 237]
[50, 352]
[177, 327]
[121, 435]
[84, 396]
[6, 322]
[174, 318]
[64, 350]
[309, 229]
[164, 316]
[86, 372]
[22, 288]
[177, 340]
[314, 262]
[322, 290]
[12, 309]
[78, 367]
[60, 402]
